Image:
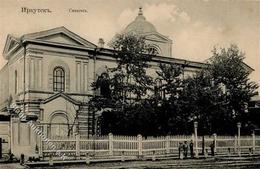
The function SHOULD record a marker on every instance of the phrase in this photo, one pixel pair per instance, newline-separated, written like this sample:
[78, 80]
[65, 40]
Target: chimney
[101, 42]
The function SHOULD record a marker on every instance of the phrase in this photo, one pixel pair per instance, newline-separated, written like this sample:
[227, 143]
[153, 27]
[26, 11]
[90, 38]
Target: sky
[195, 26]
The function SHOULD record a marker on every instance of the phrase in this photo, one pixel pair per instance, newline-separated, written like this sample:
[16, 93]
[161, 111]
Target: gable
[60, 95]
[58, 104]
[157, 37]
[10, 45]
[60, 36]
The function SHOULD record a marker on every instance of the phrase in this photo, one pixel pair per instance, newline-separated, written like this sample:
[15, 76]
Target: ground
[163, 164]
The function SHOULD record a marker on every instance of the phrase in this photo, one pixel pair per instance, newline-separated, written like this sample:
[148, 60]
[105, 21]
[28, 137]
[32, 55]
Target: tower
[160, 43]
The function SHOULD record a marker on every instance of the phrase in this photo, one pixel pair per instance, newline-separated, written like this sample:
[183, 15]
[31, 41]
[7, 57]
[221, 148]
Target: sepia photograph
[130, 84]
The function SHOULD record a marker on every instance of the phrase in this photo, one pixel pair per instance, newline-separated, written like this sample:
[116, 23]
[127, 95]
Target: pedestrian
[180, 151]
[185, 149]
[212, 147]
[191, 149]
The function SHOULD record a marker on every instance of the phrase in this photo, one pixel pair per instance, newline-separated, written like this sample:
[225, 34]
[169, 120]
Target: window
[15, 82]
[58, 79]
[103, 83]
[153, 50]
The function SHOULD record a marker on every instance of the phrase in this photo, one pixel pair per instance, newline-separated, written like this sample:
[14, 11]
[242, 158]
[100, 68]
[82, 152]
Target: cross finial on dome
[140, 11]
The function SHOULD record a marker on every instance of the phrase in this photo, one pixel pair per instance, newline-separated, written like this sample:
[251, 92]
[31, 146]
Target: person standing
[191, 149]
[185, 149]
[212, 148]
[180, 151]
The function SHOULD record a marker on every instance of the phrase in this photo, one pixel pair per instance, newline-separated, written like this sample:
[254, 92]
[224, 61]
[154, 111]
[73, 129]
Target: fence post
[0, 147]
[167, 144]
[253, 137]
[215, 142]
[77, 145]
[41, 144]
[110, 142]
[40, 148]
[140, 146]
[238, 138]
[196, 139]
[235, 144]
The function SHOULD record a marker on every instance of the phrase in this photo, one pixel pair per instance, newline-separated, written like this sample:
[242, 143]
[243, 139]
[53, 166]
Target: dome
[140, 25]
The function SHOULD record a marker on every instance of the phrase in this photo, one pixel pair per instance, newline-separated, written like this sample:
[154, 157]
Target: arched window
[58, 79]
[15, 82]
[154, 50]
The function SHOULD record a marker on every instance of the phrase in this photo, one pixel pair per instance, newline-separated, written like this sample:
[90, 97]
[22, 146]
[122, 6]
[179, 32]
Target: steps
[87, 120]
[84, 121]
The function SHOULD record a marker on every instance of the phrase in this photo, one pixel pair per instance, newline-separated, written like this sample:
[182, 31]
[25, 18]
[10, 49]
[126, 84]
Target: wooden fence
[112, 145]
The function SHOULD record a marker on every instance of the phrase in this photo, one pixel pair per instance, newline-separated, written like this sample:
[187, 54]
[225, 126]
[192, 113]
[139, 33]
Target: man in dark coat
[191, 149]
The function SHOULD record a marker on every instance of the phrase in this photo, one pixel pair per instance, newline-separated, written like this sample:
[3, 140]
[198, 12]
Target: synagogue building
[49, 75]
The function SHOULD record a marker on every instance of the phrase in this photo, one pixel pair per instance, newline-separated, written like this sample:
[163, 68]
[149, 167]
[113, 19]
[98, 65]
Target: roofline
[4, 67]
[249, 67]
[63, 95]
[110, 52]
[106, 51]
[24, 41]
[181, 61]
[49, 30]
[163, 58]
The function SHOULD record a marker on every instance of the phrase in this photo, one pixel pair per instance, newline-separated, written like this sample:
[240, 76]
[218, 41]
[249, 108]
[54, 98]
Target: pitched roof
[63, 95]
[60, 36]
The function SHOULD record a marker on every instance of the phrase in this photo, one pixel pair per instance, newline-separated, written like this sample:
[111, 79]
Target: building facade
[49, 75]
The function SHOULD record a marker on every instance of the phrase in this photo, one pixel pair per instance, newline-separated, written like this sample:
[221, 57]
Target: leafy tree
[228, 68]
[217, 96]
[132, 56]
[135, 119]
[203, 101]
[170, 74]
[128, 84]
[170, 120]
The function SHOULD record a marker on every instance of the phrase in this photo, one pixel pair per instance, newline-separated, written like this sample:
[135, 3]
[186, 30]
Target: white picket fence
[112, 145]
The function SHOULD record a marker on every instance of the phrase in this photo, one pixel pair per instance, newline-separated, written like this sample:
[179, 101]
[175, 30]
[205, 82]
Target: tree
[128, 84]
[201, 100]
[133, 55]
[228, 68]
[170, 120]
[170, 74]
[217, 95]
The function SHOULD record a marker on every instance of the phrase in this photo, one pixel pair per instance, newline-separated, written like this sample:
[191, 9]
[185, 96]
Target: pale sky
[195, 26]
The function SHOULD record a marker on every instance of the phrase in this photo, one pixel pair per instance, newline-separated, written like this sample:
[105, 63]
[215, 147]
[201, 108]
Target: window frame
[58, 79]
